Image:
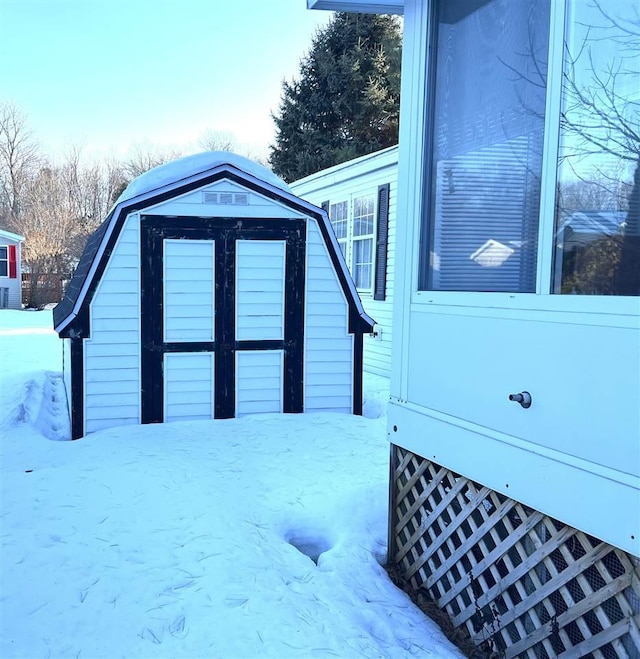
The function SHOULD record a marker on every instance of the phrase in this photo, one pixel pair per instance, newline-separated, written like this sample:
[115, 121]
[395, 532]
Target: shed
[210, 291]
[10, 270]
[360, 196]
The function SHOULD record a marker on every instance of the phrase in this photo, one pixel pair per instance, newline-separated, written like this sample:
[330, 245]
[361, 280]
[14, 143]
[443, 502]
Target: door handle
[524, 398]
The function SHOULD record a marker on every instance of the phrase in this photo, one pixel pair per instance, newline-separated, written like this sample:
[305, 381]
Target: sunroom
[514, 416]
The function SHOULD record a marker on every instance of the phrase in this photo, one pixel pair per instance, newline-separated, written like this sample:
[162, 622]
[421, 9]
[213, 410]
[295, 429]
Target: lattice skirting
[522, 583]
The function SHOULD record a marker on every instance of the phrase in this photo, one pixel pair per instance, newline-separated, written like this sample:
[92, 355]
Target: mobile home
[360, 197]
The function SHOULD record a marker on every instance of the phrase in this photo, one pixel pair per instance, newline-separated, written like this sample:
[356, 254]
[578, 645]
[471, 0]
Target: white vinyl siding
[188, 386]
[189, 292]
[194, 203]
[260, 274]
[357, 179]
[112, 354]
[259, 380]
[328, 377]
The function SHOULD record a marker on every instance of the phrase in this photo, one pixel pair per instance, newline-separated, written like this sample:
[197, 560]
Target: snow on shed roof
[183, 168]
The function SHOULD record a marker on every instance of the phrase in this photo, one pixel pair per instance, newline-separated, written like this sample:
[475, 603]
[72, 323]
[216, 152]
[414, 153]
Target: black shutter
[382, 241]
[325, 207]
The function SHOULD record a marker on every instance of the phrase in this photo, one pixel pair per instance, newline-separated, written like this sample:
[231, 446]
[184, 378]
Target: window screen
[486, 125]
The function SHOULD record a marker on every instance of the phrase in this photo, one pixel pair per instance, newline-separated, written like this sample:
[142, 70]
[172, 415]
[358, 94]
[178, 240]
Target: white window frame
[599, 309]
[371, 237]
[347, 242]
[5, 260]
[343, 241]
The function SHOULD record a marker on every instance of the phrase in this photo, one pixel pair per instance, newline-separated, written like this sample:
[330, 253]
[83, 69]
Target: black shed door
[222, 316]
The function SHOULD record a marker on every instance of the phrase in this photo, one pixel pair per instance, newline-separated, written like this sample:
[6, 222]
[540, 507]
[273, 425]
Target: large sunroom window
[485, 136]
[486, 133]
[597, 228]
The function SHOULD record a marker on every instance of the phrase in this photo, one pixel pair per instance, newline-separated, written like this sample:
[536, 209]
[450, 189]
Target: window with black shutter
[382, 242]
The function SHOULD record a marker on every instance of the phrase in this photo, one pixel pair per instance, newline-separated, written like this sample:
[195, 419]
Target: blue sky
[111, 75]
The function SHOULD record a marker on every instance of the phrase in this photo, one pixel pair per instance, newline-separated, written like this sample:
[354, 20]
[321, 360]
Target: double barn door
[222, 317]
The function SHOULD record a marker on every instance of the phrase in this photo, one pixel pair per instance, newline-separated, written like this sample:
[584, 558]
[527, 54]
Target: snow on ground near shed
[30, 366]
[253, 537]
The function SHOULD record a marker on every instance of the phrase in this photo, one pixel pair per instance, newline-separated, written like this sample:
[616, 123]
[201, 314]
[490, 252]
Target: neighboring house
[360, 196]
[587, 226]
[210, 291]
[10, 270]
[514, 411]
[593, 241]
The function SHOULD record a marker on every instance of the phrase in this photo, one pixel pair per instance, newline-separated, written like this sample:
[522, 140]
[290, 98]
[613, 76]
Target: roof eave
[12, 236]
[359, 6]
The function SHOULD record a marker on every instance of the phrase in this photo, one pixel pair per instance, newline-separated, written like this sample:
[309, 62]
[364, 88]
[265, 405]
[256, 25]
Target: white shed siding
[189, 292]
[260, 271]
[259, 380]
[344, 182]
[195, 203]
[328, 374]
[112, 354]
[188, 386]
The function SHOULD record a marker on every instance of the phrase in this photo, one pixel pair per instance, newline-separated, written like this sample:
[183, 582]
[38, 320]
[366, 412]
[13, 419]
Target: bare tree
[218, 140]
[92, 186]
[20, 158]
[599, 109]
[145, 158]
[49, 227]
[57, 207]
[600, 151]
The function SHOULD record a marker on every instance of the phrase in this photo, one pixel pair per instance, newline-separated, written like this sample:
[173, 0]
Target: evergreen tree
[346, 102]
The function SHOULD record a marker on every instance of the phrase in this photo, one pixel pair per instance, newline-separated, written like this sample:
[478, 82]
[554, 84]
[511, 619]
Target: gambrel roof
[174, 179]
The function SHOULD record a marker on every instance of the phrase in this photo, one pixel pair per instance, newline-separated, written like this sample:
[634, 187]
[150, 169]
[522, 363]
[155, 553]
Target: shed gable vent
[226, 198]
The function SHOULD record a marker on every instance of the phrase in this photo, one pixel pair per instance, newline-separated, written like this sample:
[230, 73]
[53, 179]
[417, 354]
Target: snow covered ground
[253, 537]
